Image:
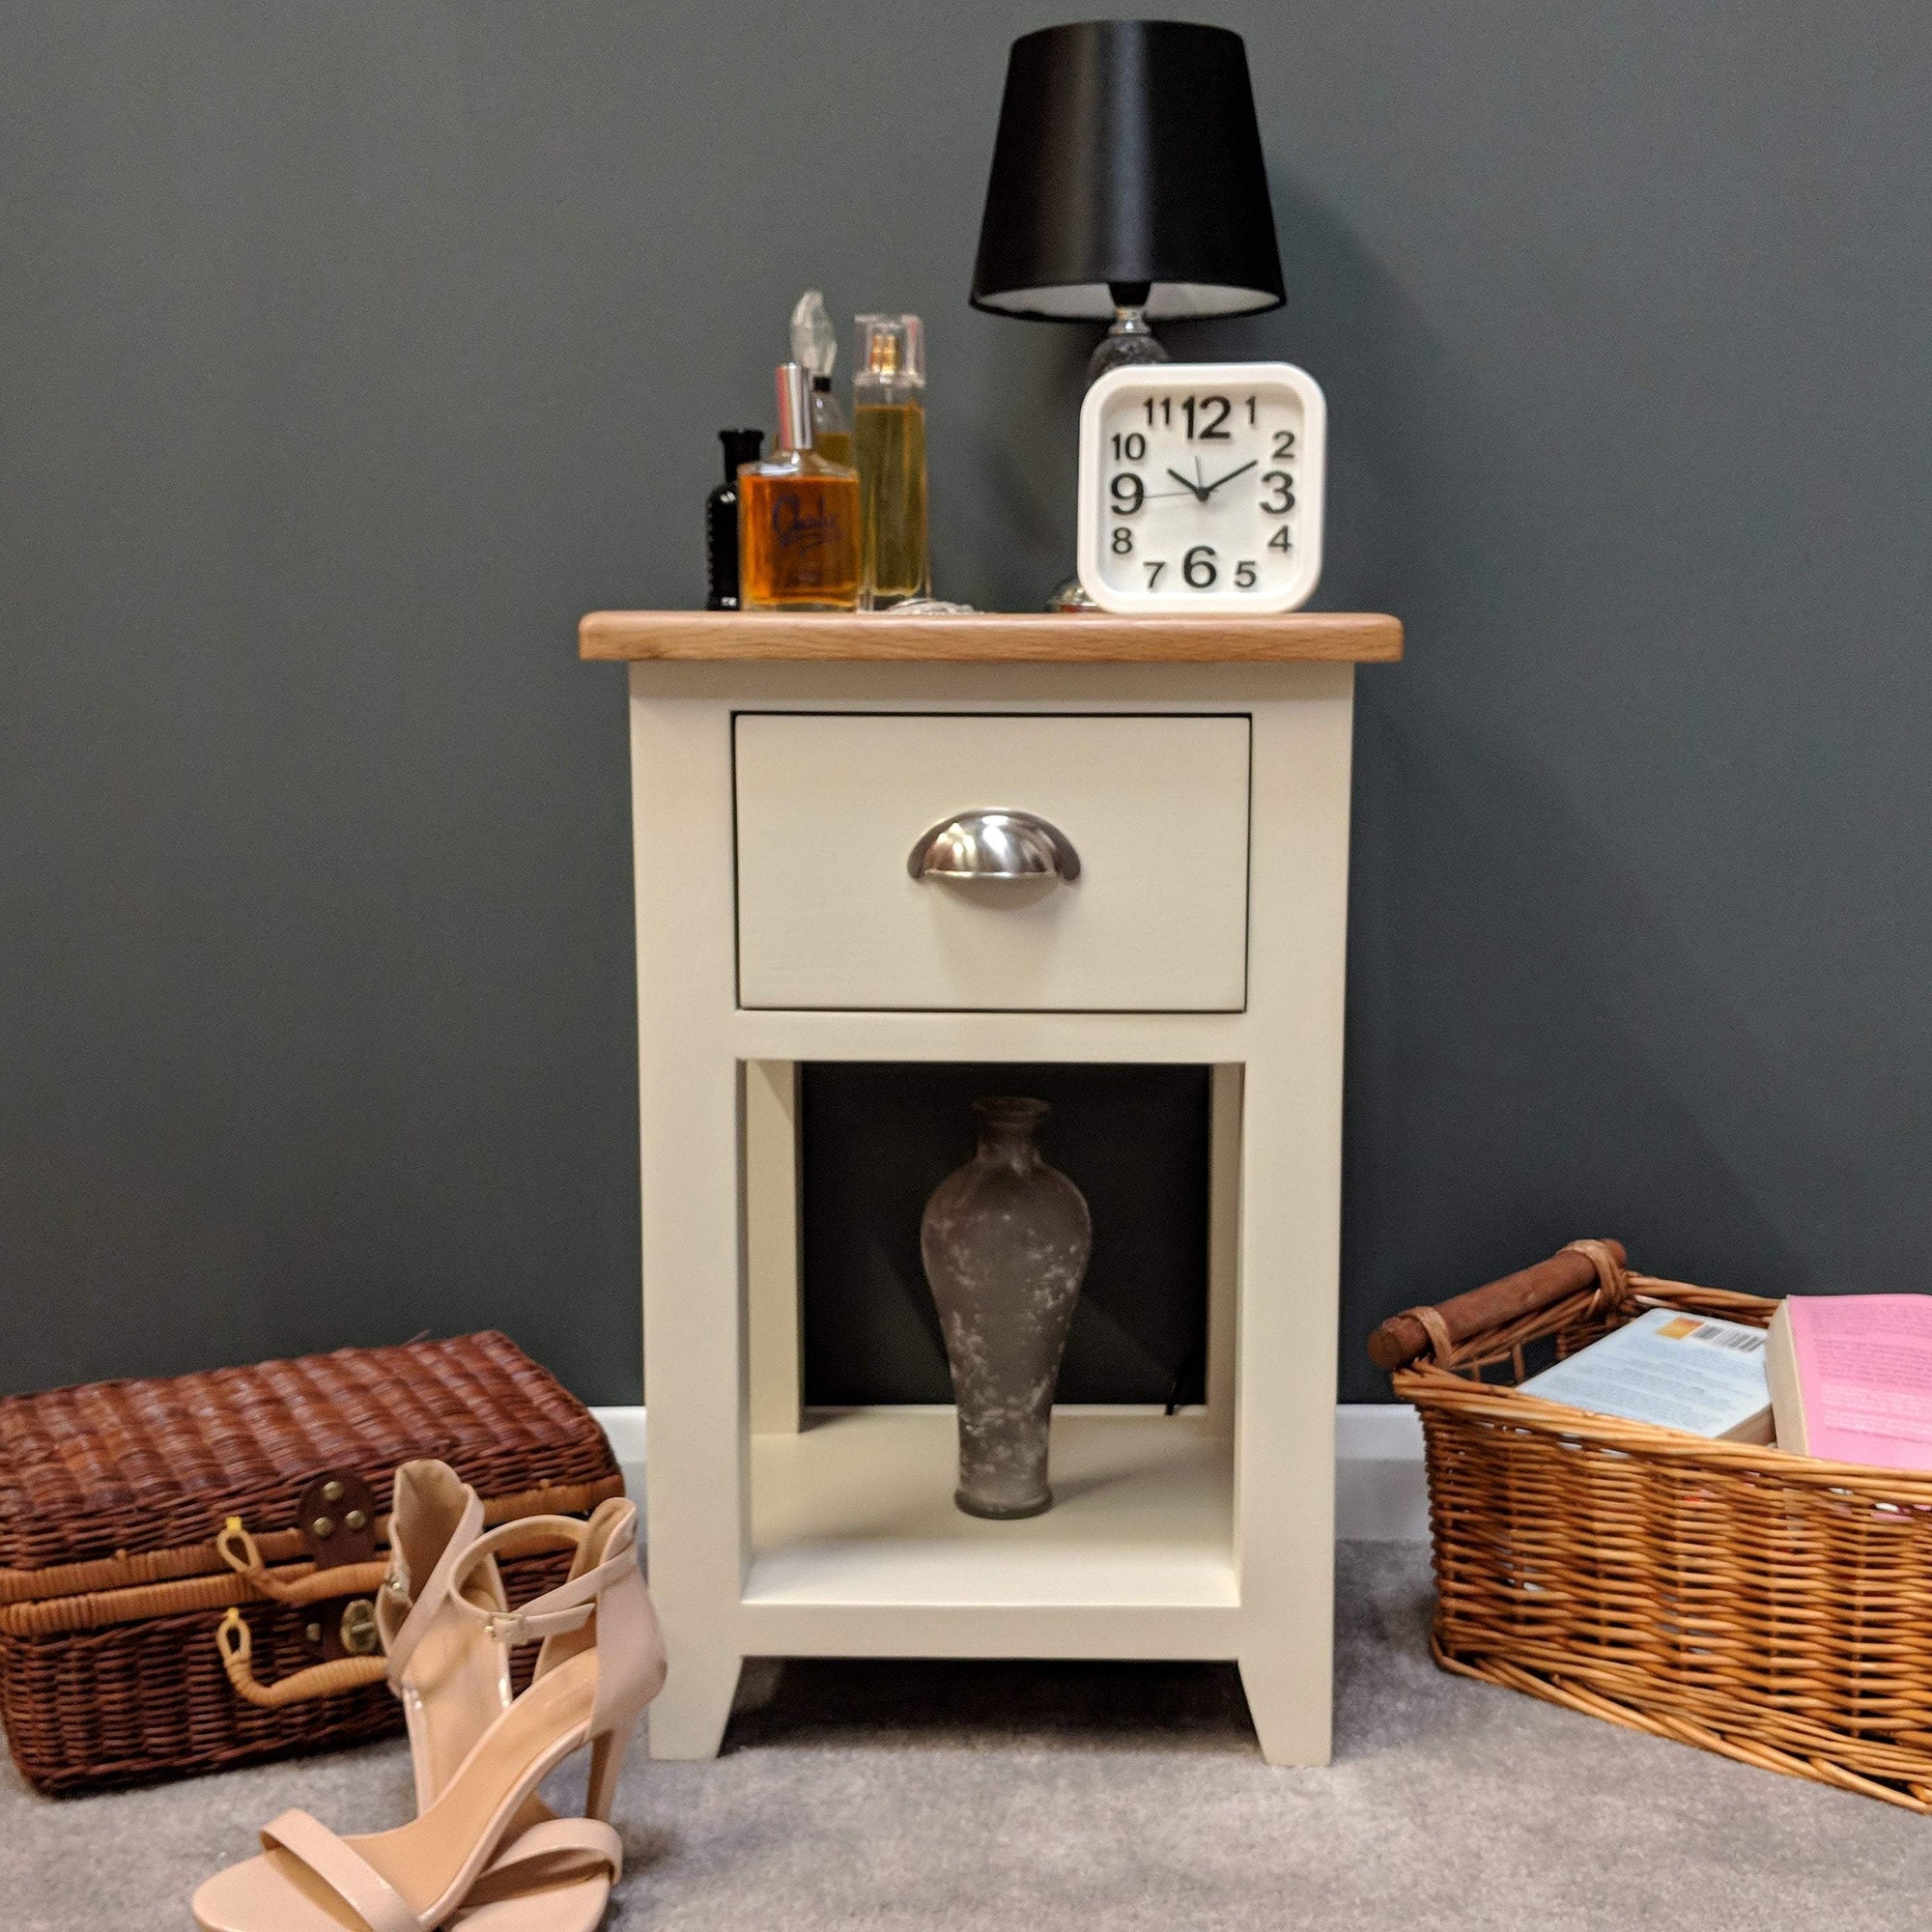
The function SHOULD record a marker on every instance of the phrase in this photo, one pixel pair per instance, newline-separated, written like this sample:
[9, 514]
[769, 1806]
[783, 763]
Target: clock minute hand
[1228, 478]
[1193, 489]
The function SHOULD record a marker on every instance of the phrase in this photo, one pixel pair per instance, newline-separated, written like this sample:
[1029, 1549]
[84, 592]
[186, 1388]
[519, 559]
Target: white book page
[1678, 1371]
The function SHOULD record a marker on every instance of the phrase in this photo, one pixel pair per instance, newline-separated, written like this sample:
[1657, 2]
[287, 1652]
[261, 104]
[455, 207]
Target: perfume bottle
[815, 348]
[798, 517]
[721, 520]
[831, 433]
[889, 436]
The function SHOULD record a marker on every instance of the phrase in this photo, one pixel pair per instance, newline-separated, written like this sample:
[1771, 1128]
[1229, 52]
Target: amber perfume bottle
[798, 517]
[720, 519]
[889, 432]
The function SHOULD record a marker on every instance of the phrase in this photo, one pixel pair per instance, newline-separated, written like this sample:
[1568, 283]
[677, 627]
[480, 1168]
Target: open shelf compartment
[857, 1509]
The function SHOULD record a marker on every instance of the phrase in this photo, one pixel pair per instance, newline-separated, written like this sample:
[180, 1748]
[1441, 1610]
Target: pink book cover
[1864, 1364]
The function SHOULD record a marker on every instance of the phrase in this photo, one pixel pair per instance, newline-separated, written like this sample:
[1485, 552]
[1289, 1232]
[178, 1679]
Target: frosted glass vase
[1005, 1242]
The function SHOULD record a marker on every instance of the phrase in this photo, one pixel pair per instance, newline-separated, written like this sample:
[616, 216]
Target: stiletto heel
[606, 1764]
[471, 1851]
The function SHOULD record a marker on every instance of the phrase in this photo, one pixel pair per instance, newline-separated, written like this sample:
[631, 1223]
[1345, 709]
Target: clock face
[1201, 487]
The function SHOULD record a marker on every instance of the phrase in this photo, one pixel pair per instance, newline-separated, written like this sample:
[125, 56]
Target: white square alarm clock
[1201, 487]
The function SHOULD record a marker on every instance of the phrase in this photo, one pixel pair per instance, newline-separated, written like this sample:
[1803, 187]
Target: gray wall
[348, 353]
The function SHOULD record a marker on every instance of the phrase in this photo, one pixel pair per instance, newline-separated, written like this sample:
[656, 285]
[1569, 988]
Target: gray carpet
[972, 1796]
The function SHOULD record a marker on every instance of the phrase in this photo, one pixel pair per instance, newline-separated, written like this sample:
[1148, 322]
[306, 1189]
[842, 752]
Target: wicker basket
[1766, 1605]
[162, 1609]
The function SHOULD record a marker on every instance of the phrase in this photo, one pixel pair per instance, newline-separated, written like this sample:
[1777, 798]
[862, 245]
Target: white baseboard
[625, 1426]
[1380, 1495]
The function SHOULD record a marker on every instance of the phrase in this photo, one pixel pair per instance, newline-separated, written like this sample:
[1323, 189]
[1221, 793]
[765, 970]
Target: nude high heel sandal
[602, 1663]
[453, 1680]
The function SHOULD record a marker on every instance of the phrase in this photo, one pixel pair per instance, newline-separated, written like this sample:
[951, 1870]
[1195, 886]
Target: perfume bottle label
[804, 523]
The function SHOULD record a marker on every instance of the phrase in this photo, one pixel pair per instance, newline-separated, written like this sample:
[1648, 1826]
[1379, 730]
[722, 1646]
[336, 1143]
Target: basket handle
[1571, 1270]
[241, 1553]
[237, 1646]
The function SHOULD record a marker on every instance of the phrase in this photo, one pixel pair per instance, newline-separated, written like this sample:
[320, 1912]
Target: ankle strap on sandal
[567, 1608]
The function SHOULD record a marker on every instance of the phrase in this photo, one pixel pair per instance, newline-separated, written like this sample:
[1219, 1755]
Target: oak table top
[723, 636]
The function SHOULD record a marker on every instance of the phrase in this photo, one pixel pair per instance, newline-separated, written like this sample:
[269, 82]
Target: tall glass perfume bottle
[889, 435]
[798, 517]
[721, 520]
[815, 347]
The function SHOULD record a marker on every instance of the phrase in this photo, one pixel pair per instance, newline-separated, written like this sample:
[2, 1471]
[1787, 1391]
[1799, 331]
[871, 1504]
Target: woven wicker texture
[134, 1467]
[137, 1701]
[1766, 1605]
[110, 1500]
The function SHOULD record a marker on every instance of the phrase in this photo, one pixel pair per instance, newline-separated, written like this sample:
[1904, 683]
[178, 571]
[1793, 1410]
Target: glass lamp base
[1129, 341]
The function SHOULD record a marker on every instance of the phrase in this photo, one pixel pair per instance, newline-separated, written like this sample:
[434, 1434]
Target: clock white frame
[1310, 487]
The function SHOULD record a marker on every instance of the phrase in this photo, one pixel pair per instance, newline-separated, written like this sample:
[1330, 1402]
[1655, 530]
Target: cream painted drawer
[830, 806]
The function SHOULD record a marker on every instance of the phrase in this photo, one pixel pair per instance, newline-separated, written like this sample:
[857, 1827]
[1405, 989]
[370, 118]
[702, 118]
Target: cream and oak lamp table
[783, 771]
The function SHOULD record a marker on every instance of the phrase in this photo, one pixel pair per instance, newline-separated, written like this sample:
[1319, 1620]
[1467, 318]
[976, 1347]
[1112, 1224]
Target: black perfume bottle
[720, 519]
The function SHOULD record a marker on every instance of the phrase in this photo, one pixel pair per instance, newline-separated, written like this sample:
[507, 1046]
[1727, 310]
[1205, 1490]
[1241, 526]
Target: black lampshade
[1127, 157]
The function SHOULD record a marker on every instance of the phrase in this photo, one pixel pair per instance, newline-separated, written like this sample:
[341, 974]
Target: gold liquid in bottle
[889, 437]
[798, 518]
[797, 541]
[890, 440]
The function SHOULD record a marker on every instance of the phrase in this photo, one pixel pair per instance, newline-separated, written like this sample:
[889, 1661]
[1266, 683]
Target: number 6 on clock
[1201, 487]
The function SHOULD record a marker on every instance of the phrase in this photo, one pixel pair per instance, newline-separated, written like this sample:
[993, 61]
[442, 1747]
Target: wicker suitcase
[1763, 1604]
[186, 1565]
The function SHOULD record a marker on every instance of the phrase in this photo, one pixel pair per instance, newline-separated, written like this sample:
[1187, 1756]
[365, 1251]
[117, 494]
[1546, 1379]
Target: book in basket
[1851, 1378]
[1688, 1371]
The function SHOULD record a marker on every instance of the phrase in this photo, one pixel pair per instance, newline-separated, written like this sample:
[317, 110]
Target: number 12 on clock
[1201, 487]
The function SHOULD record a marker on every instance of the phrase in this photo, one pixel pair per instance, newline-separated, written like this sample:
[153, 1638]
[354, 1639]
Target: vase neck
[1009, 1146]
[1007, 1130]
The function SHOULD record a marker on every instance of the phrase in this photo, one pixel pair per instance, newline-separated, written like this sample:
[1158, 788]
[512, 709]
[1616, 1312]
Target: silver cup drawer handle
[994, 844]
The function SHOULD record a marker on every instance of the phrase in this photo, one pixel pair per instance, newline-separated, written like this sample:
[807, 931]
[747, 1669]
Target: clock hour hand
[1207, 489]
[1192, 488]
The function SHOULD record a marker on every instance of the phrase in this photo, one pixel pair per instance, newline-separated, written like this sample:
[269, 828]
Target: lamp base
[1127, 341]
